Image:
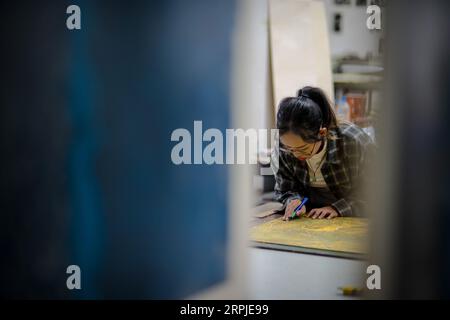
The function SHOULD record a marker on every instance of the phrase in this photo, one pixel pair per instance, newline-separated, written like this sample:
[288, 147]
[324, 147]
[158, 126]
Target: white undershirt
[315, 168]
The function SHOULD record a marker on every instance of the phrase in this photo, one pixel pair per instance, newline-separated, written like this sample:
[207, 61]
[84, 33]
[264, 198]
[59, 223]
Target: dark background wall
[415, 146]
[86, 175]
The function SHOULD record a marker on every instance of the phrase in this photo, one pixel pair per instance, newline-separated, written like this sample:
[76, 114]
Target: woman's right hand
[290, 207]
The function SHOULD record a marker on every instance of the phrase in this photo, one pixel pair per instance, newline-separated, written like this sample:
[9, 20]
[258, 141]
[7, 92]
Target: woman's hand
[290, 207]
[322, 213]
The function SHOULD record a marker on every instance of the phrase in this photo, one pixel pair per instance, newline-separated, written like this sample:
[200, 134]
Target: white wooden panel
[300, 51]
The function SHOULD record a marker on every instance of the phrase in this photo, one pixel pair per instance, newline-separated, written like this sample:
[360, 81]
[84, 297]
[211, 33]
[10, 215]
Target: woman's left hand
[322, 213]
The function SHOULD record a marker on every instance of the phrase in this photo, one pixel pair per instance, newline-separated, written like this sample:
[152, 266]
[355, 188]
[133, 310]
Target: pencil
[294, 213]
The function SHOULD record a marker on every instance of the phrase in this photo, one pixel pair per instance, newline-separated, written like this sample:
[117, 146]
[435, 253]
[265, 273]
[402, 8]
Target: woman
[319, 158]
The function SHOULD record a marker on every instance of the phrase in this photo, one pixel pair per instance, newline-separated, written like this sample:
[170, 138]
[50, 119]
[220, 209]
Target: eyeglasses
[298, 152]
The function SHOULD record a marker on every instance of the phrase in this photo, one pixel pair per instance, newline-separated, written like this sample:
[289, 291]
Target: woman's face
[298, 147]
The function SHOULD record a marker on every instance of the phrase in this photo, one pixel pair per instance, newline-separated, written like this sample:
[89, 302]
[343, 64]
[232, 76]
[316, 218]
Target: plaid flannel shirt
[347, 155]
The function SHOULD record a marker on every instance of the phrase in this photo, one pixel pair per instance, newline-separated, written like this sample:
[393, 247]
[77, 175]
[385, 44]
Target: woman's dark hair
[305, 114]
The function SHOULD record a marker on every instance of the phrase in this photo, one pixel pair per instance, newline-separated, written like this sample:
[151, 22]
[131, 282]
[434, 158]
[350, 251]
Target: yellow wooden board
[339, 234]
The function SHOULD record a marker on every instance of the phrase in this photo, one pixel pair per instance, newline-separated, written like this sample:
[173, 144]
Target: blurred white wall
[354, 37]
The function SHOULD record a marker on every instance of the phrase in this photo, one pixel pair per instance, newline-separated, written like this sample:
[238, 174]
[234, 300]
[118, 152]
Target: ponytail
[305, 114]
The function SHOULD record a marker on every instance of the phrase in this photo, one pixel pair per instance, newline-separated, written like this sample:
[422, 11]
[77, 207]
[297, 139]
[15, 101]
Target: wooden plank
[300, 52]
[347, 235]
[266, 209]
